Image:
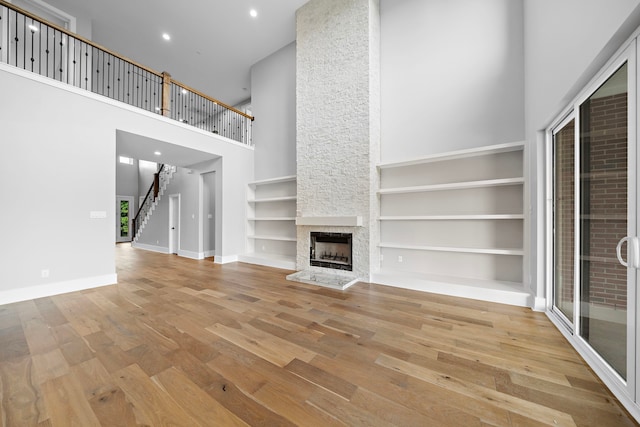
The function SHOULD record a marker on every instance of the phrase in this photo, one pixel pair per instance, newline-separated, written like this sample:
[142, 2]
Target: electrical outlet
[399, 258]
[44, 273]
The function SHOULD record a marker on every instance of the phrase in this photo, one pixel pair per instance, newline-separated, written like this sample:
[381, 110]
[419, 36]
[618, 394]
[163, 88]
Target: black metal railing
[189, 106]
[30, 43]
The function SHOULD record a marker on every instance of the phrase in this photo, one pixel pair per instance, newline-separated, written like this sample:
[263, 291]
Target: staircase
[161, 180]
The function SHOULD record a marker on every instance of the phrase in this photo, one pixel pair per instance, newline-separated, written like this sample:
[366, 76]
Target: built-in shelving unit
[453, 223]
[271, 217]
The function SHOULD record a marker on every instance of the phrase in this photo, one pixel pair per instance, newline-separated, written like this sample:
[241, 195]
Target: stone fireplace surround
[337, 133]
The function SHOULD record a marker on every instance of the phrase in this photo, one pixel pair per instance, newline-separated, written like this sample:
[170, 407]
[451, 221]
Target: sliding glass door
[594, 216]
[604, 219]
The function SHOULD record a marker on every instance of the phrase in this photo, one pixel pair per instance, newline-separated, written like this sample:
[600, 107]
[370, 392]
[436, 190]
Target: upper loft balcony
[29, 42]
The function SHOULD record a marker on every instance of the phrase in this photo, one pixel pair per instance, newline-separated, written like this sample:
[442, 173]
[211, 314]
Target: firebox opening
[331, 250]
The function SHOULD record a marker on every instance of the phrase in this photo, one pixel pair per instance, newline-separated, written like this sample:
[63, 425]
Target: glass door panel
[124, 218]
[124, 206]
[603, 154]
[564, 220]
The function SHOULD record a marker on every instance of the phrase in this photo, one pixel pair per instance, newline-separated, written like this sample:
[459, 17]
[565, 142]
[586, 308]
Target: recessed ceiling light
[184, 91]
[157, 153]
[253, 13]
[166, 36]
[33, 28]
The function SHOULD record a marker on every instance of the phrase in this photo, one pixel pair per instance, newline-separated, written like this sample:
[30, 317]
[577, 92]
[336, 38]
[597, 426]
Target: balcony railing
[33, 44]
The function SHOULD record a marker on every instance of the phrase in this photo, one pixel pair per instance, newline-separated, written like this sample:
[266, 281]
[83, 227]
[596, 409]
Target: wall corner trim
[191, 254]
[539, 304]
[225, 259]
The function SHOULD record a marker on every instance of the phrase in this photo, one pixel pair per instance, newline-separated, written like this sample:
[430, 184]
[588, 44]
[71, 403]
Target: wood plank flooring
[187, 343]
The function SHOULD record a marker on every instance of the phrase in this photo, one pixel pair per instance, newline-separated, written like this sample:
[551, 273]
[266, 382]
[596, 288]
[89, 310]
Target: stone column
[338, 122]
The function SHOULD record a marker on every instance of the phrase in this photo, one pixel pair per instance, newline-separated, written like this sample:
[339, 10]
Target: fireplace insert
[331, 250]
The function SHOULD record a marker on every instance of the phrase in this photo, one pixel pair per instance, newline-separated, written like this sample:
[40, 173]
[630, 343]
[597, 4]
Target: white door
[209, 214]
[124, 218]
[174, 223]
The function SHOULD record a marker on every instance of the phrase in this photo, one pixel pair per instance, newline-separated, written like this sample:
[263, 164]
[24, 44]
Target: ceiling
[213, 43]
[143, 148]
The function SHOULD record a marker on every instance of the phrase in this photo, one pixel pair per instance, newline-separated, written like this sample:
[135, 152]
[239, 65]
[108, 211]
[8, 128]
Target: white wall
[566, 43]
[562, 41]
[273, 103]
[127, 181]
[146, 172]
[452, 75]
[64, 141]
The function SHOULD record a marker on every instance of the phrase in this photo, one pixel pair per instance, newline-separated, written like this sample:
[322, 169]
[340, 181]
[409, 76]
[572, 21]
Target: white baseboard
[210, 253]
[56, 288]
[151, 248]
[190, 254]
[221, 259]
[269, 260]
[456, 287]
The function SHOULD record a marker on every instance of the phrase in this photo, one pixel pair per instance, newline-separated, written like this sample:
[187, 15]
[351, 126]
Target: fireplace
[331, 250]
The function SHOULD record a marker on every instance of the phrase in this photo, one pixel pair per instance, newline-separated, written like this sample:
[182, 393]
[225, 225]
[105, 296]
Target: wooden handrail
[77, 36]
[215, 101]
[166, 78]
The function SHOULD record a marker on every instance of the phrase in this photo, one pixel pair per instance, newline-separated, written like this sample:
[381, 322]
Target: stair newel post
[166, 94]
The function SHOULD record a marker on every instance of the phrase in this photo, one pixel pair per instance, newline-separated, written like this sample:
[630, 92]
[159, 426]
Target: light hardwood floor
[187, 343]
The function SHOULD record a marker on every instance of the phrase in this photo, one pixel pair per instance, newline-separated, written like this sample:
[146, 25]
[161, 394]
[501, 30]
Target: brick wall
[607, 185]
[564, 218]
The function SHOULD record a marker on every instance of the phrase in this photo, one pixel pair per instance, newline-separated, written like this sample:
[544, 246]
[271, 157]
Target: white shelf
[502, 292]
[272, 219]
[492, 251]
[273, 180]
[461, 154]
[272, 199]
[275, 238]
[466, 243]
[270, 225]
[451, 217]
[454, 186]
